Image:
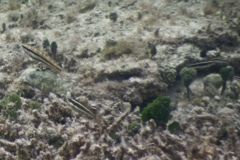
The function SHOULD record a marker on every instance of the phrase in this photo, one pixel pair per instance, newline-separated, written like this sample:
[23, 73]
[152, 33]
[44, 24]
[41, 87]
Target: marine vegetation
[174, 127]
[9, 106]
[133, 128]
[115, 49]
[159, 110]
[34, 105]
[46, 44]
[227, 73]
[188, 75]
[54, 48]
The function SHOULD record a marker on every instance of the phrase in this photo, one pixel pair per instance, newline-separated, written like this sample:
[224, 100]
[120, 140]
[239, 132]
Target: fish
[42, 57]
[77, 106]
[80, 107]
[208, 64]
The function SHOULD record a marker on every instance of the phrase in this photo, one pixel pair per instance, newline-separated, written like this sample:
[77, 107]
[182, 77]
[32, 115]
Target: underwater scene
[119, 80]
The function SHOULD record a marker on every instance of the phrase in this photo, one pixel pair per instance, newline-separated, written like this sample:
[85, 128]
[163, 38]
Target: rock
[212, 53]
[217, 98]
[226, 111]
[212, 83]
[44, 80]
[198, 110]
[167, 56]
[119, 75]
[188, 51]
[86, 6]
[206, 100]
[120, 48]
[13, 17]
[140, 93]
[206, 117]
[113, 16]
[58, 113]
[153, 157]
[26, 91]
[168, 74]
[84, 100]
[197, 87]
[235, 89]
[237, 106]
[3, 83]
[26, 37]
[52, 136]
[230, 105]
[228, 116]
[214, 80]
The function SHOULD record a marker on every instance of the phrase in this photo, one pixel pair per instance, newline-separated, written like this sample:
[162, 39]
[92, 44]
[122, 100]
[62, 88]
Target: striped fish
[80, 107]
[206, 64]
[42, 57]
[77, 106]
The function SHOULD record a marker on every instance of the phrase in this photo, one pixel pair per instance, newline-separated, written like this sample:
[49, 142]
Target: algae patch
[9, 106]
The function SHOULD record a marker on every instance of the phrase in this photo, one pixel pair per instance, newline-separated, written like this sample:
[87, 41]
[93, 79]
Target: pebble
[217, 98]
[230, 105]
[83, 100]
[206, 100]
[198, 110]
[212, 53]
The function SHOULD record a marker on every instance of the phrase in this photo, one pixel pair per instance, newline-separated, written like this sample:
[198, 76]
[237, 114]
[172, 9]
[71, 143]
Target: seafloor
[104, 62]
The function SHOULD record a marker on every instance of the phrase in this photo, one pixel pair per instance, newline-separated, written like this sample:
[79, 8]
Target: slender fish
[42, 57]
[81, 108]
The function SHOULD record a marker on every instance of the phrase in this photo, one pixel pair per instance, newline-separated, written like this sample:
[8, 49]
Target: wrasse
[42, 57]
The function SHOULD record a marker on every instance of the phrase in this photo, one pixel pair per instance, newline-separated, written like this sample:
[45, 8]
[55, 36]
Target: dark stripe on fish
[80, 107]
[207, 63]
[37, 55]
